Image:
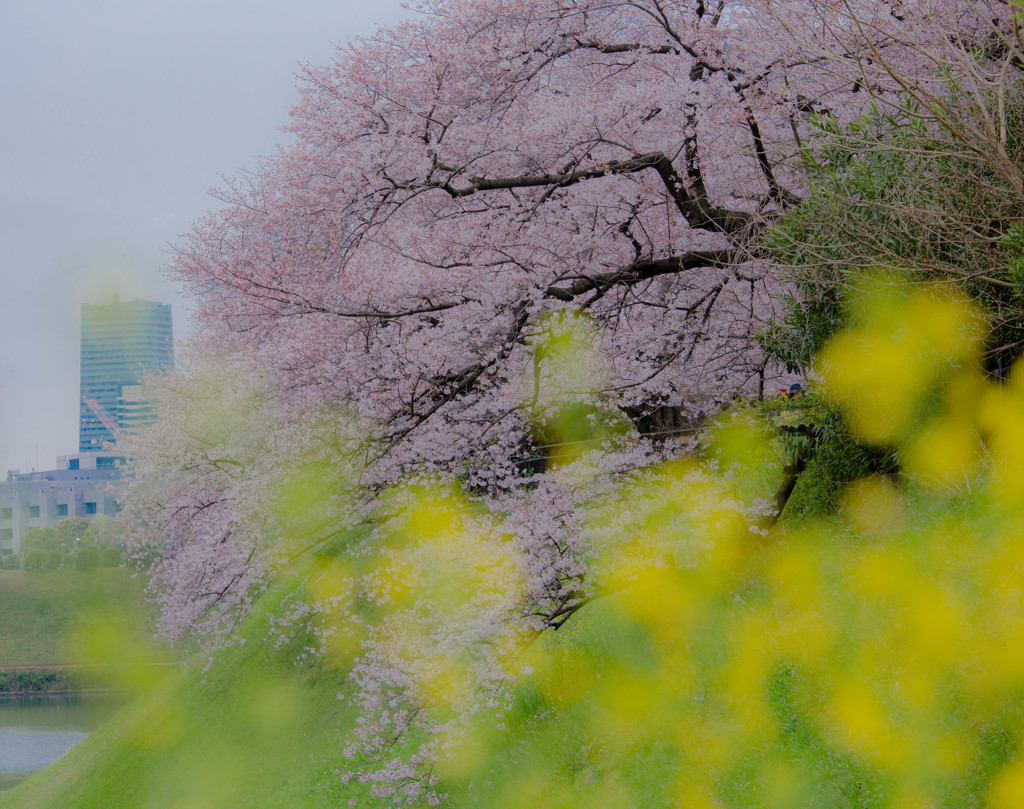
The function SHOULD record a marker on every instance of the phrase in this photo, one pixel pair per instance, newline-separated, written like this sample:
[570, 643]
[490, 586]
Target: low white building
[83, 485]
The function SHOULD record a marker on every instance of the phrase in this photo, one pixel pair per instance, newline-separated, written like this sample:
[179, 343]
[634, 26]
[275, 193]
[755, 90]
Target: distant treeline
[73, 543]
[23, 682]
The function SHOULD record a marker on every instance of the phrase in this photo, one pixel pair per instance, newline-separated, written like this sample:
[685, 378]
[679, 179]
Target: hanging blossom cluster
[226, 490]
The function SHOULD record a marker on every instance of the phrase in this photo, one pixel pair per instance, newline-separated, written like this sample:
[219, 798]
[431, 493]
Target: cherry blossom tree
[509, 238]
[458, 177]
[459, 189]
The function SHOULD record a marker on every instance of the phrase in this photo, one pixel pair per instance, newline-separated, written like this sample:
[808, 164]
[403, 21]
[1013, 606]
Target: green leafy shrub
[87, 559]
[888, 191]
[34, 681]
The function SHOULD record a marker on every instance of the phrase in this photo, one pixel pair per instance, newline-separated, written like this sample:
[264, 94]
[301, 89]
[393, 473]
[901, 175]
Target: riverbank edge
[68, 681]
[18, 696]
[32, 682]
[60, 679]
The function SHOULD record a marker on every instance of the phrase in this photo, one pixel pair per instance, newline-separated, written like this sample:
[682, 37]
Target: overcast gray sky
[116, 117]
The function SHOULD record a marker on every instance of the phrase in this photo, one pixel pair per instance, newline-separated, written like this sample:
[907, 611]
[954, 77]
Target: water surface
[36, 731]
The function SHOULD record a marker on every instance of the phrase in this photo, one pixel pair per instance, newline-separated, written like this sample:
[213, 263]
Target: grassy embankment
[255, 729]
[258, 729]
[262, 726]
[50, 619]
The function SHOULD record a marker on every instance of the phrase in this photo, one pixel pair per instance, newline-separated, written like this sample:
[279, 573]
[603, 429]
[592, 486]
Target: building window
[106, 463]
[73, 463]
[6, 535]
[62, 509]
[6, 513]
[90, 508]
[33, 512]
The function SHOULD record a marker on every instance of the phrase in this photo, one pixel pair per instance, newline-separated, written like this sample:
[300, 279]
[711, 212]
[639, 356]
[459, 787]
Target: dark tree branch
[642, 271]
[698, 210]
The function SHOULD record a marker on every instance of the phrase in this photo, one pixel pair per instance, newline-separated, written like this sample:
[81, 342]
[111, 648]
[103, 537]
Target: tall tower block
[122, 343]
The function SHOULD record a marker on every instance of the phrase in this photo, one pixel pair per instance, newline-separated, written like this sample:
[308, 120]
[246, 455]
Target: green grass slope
[41, 612]
[254, 729]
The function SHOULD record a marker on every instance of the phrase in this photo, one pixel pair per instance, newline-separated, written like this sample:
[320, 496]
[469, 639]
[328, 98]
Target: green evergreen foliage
[43, 539]
[1013, 243]
[35, 560]
[888, 191]
[71, 529]
[33, 681]
[836, 461]
[812, 436]
[87, 559]
[62, 545]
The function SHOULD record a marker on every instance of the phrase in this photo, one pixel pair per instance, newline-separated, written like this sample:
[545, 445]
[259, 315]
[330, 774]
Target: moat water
[36, 731]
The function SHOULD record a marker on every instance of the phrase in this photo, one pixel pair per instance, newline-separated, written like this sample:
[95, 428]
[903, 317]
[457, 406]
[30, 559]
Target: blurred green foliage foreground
[874, 658]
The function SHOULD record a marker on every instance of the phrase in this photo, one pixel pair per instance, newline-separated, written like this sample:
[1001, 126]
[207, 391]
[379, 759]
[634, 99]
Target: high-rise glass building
[122, 342]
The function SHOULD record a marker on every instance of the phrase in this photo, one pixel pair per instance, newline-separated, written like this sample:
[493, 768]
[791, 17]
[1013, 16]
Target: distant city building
[122, 343]
[80, 486]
